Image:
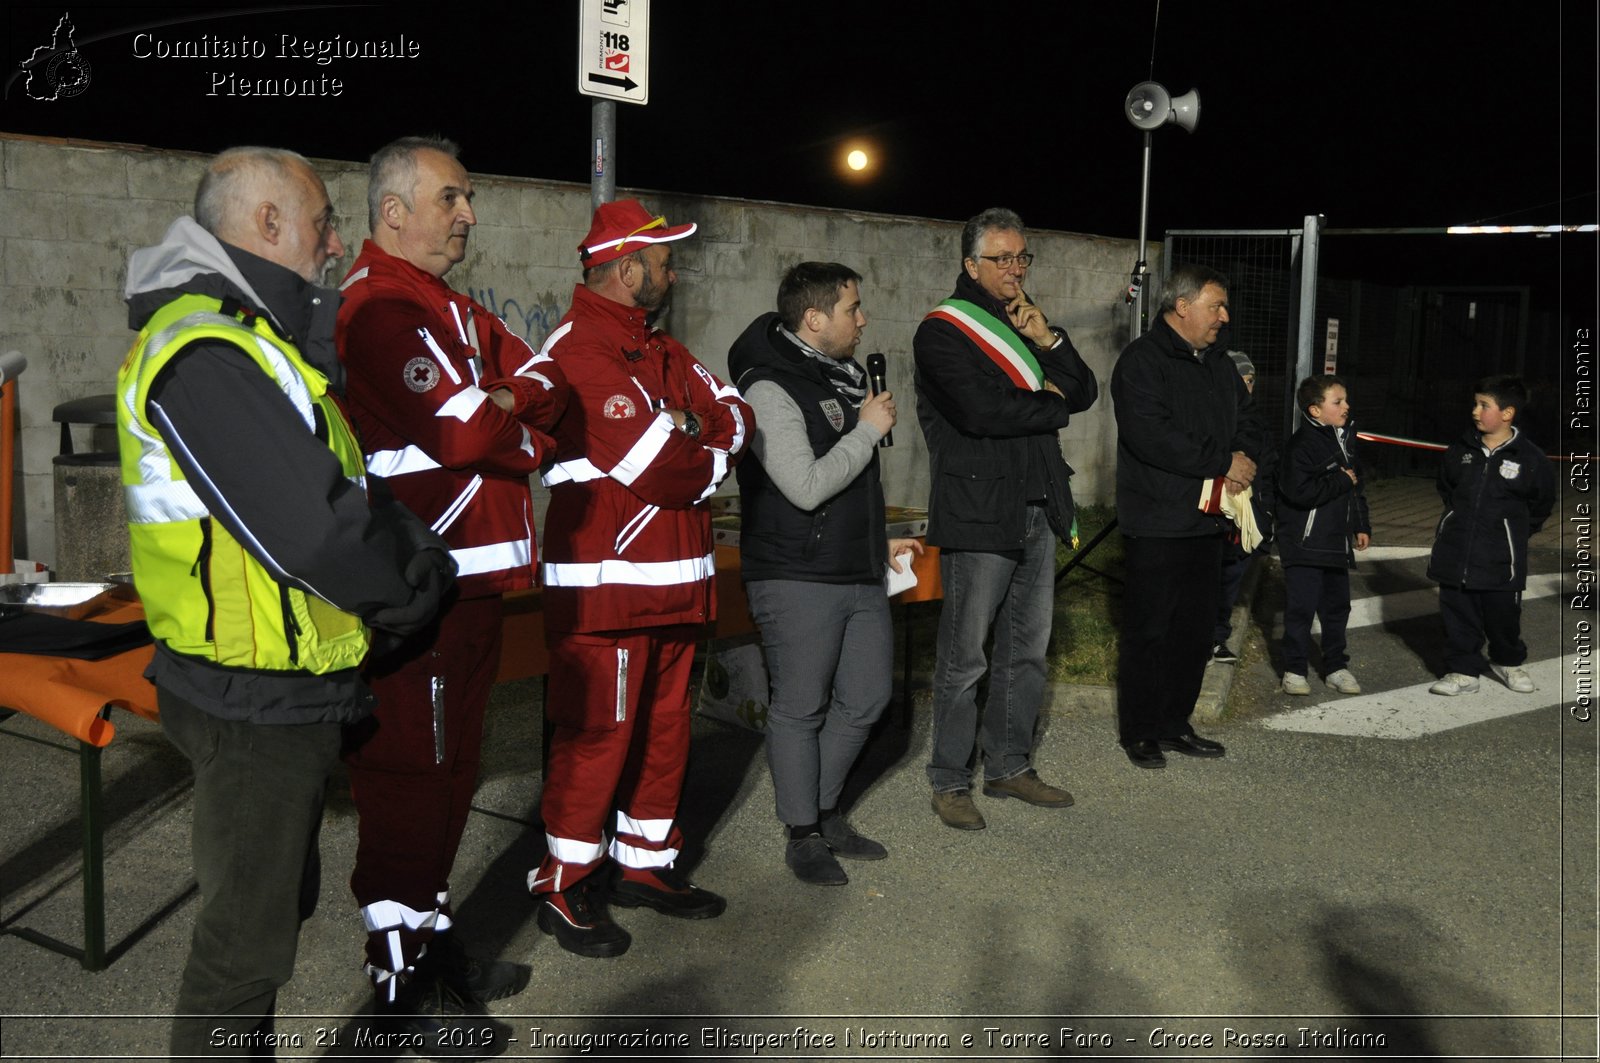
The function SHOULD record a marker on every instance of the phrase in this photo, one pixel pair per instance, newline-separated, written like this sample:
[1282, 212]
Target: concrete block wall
[70, 212]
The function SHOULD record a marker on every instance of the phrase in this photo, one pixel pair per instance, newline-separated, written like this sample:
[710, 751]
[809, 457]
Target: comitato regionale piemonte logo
[57, 71]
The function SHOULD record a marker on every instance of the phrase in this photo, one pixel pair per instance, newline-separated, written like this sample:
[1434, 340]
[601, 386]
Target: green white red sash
[994, 338]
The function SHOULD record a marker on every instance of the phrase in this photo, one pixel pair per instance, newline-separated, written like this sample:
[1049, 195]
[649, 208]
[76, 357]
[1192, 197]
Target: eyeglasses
[1007, 261]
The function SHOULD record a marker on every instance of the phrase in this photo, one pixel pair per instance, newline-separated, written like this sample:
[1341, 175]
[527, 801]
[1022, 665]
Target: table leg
[94, 881]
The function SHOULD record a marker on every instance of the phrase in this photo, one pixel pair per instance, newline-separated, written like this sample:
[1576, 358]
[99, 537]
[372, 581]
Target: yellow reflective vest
[204, 594]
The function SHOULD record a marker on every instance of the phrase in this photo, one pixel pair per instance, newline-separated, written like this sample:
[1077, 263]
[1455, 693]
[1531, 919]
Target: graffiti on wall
[532, 319]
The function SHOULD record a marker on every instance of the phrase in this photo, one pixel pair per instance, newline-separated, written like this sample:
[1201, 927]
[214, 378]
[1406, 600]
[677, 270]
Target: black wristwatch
[691, 425]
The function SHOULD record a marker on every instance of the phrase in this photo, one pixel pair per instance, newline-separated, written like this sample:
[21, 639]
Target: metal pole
[1308, 298]
[1141, 268]
[8, 422]
[603, 125]
[1291, 334]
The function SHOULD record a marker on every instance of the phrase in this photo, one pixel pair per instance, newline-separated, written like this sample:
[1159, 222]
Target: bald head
[237, 180]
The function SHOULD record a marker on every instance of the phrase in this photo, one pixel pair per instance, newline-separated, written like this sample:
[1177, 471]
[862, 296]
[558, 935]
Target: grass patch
[1088, 608]
[1083, 640]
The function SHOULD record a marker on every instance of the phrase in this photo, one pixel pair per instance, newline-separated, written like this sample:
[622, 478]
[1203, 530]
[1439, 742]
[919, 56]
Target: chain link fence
[1409, 353]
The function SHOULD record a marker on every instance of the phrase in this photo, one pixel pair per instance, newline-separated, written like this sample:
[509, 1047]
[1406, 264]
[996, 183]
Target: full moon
[856, 160]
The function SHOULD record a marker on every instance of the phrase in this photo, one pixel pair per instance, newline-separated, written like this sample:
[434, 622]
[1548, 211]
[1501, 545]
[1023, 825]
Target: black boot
[473, 978]
[433, 1020]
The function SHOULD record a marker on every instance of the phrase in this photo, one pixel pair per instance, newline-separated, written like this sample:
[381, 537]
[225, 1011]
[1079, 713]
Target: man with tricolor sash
[995, 383]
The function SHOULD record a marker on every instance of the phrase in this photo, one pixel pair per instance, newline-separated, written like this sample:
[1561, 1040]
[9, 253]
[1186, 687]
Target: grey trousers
[830, 656]
[258, 794]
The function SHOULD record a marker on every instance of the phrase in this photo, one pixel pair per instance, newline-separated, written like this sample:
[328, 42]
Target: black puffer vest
[841, 541]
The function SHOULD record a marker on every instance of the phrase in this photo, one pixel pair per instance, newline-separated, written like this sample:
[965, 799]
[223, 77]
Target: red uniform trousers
[413, 787]
[619, 702]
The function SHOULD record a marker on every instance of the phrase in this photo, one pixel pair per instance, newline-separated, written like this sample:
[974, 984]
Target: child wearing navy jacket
[1322, 521]
[1498, 489]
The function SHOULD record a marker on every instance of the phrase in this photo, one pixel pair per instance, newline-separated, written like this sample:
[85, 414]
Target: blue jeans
[1013, 594]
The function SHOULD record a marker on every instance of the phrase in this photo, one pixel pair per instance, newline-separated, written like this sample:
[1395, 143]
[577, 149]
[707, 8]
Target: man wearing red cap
[627, 564]
[450, 406]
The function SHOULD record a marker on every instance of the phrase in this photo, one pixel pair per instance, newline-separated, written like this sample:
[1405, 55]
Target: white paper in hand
[896, 582]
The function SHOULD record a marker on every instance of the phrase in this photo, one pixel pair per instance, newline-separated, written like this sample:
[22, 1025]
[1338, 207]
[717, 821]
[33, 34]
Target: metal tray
[71, 600]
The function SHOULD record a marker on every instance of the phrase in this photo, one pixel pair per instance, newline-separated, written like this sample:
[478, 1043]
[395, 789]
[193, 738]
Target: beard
[652, 294]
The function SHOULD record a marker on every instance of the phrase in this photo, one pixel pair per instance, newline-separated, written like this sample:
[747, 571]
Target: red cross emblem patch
[421, 374]
[619, 407]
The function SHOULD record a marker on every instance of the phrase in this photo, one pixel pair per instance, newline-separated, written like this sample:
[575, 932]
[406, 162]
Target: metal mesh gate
[1263, 271]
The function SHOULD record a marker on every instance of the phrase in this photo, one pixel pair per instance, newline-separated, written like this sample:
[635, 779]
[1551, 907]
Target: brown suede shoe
[957, 810]
[1030, 788]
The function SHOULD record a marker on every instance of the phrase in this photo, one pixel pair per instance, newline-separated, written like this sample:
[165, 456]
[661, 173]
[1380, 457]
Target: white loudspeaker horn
[1186, 110]
[1148, 105]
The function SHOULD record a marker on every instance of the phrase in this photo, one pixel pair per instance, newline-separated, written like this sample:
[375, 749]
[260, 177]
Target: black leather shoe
[1192, 745]
[578, 920]
[1146, 754]
[670, 894]
[427, 1012]
[475, 978]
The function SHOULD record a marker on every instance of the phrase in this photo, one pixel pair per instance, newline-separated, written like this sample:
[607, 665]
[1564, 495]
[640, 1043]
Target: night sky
[1372, 114]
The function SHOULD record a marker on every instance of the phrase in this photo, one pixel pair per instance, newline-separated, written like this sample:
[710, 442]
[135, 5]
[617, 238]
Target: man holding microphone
[813, 549]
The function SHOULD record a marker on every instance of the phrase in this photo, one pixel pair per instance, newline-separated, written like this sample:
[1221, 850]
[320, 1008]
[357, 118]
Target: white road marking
[1392, 553]
[1391, 608]
[1412, 712]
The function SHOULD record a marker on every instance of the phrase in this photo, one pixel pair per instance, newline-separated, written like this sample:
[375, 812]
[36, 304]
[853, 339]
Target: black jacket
[1179, 420]
[1492, 503]
[986, 436]
[843, 540]
[1319, 509]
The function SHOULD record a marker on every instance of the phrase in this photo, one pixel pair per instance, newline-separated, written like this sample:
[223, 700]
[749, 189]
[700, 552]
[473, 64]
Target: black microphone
[877, 373]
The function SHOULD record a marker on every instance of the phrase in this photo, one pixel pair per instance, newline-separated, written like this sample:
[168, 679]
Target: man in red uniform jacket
[449, 406]
[627, 565]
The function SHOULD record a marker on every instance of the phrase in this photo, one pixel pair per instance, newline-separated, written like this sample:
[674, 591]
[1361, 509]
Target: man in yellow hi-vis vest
[262, 567]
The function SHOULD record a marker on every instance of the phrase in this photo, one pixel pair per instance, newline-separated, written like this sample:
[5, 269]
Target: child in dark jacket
[1322, 521]
[1498, 489]
[1236, 561]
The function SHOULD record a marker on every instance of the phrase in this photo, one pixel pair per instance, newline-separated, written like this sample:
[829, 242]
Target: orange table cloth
[71, 695]
[733, 608]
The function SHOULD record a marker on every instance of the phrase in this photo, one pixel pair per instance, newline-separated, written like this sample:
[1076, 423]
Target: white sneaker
[1295, 684]
[1455, 683]
[1343, 682]
[1514, 678]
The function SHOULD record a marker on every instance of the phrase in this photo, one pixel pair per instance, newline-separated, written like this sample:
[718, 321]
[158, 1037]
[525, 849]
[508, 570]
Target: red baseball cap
[623, 227]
